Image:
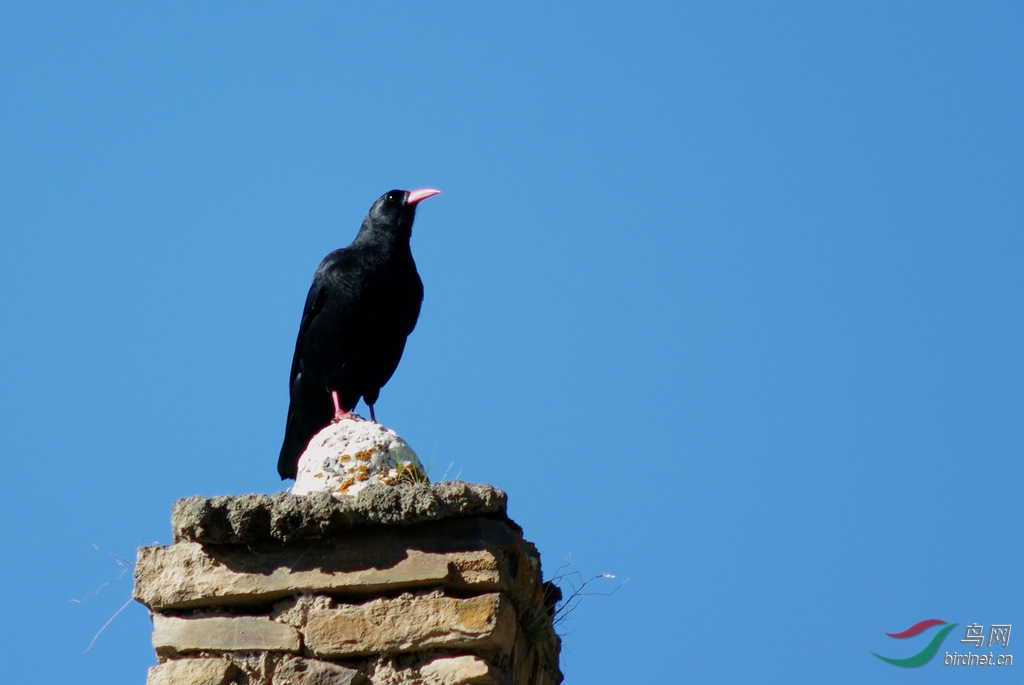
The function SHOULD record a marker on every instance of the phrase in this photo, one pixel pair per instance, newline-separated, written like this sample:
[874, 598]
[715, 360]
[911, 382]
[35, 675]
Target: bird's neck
[386, 246]
[390, 238]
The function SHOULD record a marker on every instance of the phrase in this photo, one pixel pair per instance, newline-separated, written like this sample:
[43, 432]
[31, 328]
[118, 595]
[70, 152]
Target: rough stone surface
[473, 554]
[347, 456]
[176, 635]
[192, 672]
[399, 585]
[185, 576]
[299, 671]
[457, 670]
[409, 623]
[283, 517]
[535, 653]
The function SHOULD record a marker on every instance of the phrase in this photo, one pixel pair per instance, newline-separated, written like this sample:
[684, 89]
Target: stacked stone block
[428, 584]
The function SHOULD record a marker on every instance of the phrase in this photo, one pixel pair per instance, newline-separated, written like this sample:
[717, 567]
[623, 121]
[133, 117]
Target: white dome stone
[348, 455]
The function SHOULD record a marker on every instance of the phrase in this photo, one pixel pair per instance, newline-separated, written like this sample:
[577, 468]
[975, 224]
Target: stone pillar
[429, 584]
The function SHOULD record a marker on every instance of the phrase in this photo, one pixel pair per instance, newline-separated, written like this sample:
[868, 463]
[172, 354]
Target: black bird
[363, 303]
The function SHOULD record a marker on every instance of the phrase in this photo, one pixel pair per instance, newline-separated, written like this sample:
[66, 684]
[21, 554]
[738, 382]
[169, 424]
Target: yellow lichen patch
[345, 485]
[364, 455]
[318, 475]
[344, 458]
[362, 473]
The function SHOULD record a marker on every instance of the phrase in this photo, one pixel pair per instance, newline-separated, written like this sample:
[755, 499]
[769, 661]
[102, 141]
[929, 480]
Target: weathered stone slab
[192, 672]
[408, 623]
[183, 576]
[283, 517]
[176, 635]
[458, 670]
[298, 671]
[464, 555]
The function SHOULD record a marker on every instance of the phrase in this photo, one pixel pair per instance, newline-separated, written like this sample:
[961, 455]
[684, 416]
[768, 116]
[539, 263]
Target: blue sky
[726, 296]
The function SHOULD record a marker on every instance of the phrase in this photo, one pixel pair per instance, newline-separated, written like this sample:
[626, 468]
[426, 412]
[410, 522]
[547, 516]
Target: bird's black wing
[309, 408]
[334, 281]
[293, 441]
[315, 300]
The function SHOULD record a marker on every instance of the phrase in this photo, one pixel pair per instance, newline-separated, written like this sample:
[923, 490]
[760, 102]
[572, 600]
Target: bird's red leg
[339, 413]
[372, 417]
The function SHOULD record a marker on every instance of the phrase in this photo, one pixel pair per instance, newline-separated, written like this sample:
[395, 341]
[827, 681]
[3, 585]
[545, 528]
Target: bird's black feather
[363, 303]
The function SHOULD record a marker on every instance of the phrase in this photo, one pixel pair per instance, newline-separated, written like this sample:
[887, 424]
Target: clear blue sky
[726, 296]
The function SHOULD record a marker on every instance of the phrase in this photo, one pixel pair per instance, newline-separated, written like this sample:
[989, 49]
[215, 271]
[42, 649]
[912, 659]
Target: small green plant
[415, 476]
[408, 473]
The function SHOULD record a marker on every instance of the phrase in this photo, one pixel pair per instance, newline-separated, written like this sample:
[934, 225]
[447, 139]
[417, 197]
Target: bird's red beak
[420, 195]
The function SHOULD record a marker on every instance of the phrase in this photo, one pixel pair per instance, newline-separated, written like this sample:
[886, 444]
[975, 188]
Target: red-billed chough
[363, 303]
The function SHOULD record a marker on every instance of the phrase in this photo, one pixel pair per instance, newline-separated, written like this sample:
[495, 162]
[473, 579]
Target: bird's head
[393, 212]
